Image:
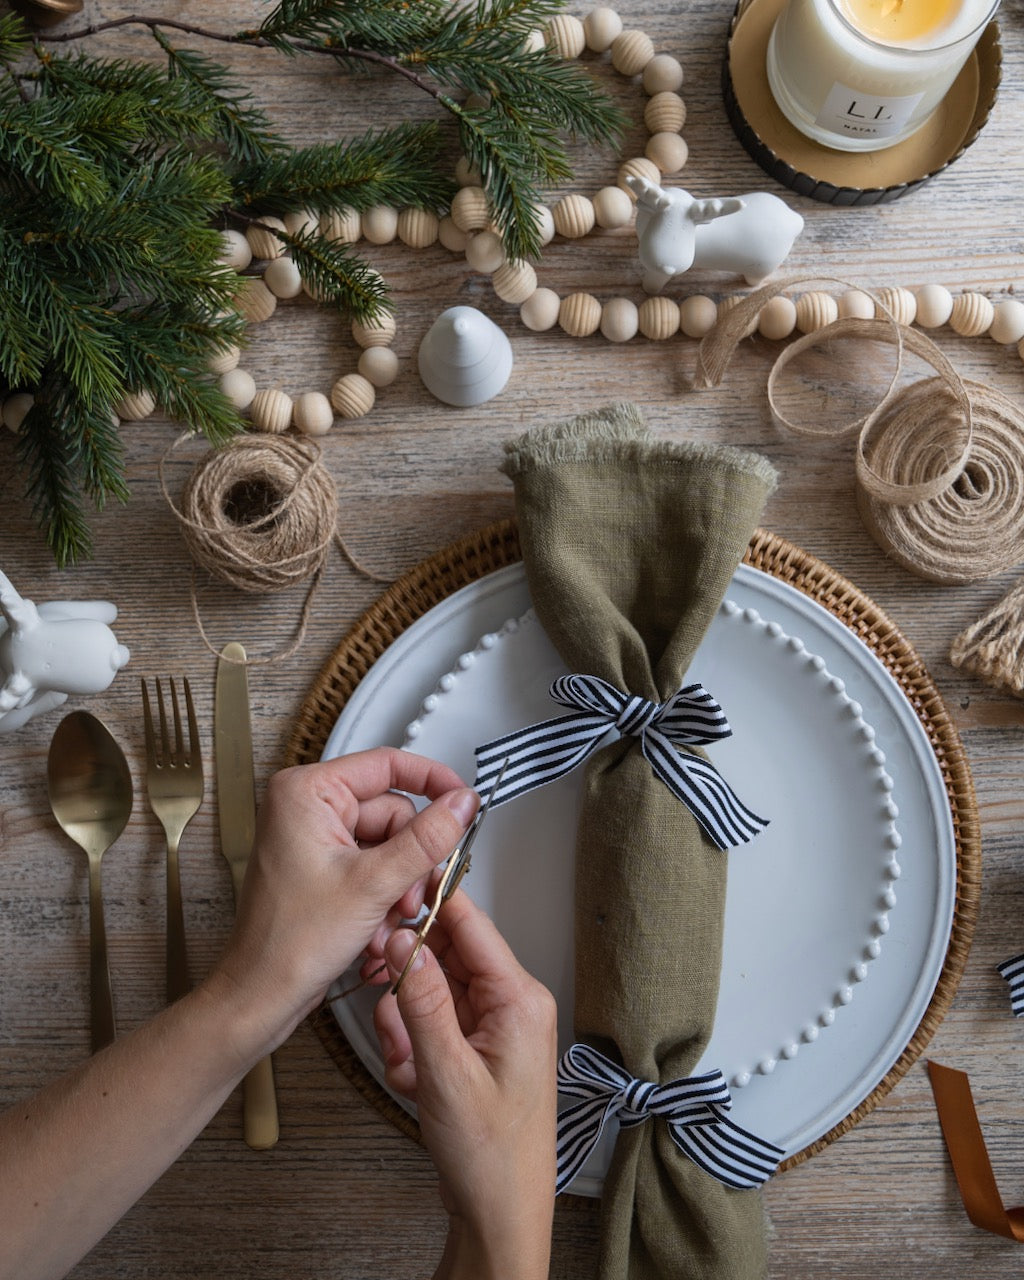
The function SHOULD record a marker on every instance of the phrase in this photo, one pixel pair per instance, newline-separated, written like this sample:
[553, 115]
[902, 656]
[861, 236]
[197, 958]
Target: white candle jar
[851, 92]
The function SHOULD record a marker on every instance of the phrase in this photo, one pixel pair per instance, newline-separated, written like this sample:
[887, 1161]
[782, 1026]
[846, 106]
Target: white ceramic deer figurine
[749, 235]
[49, 652]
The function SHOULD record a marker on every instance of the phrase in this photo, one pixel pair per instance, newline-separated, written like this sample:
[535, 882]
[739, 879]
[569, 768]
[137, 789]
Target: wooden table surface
[344, 1193]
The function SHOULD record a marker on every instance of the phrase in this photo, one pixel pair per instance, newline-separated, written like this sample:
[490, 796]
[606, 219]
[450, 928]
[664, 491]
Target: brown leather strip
[966, 1146]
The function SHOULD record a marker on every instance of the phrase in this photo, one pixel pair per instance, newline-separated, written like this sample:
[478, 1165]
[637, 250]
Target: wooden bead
[638, 167]
[379, 224]
[665, 113]
[540, 310]
[620, 319]
[697, 315]
[343, 226]
[574, 216]
[579, 315]
[613, 208]
[451, 236]
[730, 304]
[815, 310]
[237, 252]
[378, 332]
[514, 282]
[136, 406]
[545, 223]
[223, 361]
[631, 52]
[255, 301]
[312, 414]
[668, 151]
[471, 210]
[601, 26]
[663, 74]
[262, 241]
[972, 315]
[353, 396]
[900, 303]
[16, 409]
[566, 36]
[1008, 323]
[379, 365]
[778, 318]
[282, 278]
[535, 41]
[934, 306]
[302, 222]
[467, 174]
[271, 411]
[417, 227]
[239, 387]
[485, 252]
[855, 304]
[658, 318]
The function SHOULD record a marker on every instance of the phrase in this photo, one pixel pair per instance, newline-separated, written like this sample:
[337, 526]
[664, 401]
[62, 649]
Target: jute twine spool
[261, 514]
[939, 462]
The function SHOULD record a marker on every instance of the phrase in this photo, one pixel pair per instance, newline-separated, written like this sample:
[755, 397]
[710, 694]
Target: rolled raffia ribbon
[261, 513]
[939, 462]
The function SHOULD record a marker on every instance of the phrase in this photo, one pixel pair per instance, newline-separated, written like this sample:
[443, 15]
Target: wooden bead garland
[468, 229]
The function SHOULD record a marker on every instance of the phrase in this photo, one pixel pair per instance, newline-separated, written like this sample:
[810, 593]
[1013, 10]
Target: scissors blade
[461, 853]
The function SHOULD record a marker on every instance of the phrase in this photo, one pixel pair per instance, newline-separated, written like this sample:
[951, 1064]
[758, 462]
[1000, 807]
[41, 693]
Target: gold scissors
[451, 877]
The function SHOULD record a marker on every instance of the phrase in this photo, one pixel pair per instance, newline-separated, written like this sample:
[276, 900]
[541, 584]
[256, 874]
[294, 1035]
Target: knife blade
[236, 811]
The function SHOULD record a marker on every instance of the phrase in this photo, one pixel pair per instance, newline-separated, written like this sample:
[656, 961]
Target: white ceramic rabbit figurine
[49, 652]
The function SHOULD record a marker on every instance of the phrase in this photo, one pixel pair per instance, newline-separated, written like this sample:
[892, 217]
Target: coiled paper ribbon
[939, 463]
[543, 752]
[694, 1109]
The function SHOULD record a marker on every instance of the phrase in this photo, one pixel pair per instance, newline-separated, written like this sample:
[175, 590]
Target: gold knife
[236, 804]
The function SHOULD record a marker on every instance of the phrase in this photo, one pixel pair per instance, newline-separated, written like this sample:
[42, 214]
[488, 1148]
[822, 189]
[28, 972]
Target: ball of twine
[939, 462]
[260, 513]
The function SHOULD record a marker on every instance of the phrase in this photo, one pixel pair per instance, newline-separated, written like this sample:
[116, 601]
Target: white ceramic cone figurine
[749, 235]
[464, 358]
[49, 652]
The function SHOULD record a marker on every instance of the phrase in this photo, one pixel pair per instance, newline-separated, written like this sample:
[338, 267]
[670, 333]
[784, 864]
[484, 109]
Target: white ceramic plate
[820, 992]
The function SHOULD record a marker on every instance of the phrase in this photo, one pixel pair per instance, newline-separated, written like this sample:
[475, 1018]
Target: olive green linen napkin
[629, 544]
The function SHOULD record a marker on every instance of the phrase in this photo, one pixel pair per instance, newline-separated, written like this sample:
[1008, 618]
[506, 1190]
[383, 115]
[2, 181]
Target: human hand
[471, 1039]
[338, 858]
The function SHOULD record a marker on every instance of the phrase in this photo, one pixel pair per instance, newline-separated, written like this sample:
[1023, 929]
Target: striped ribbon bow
[694, 1109]
[543, 752]
[1013, 972]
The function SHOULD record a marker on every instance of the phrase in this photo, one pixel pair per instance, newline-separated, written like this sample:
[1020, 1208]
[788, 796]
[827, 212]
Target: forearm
[516, 1246]
[75, 1157]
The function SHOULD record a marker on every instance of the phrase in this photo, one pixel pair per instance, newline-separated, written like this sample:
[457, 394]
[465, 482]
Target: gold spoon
[91, 798]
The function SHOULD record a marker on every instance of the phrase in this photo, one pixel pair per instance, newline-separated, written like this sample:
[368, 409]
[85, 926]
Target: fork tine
[147, 718]
[179, 745]
[193, 729]
[165, 746]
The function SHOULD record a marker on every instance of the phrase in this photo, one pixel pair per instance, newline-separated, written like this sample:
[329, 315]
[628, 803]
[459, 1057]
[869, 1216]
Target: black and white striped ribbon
[542, 752]
[693, 1108]
[1013, 972]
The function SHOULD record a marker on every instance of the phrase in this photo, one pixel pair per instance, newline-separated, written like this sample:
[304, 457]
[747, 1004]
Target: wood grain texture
[344, 1194]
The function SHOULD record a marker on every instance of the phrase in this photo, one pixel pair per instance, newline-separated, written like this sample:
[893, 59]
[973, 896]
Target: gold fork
[174, 781]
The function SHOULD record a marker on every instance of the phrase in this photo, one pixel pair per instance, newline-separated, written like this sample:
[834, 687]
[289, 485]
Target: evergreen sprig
[116, 176]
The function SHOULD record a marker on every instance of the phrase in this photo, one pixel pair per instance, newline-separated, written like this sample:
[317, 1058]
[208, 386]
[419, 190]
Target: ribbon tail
[578, 1133]
[731, 1154]
[537, 754]
[1013, 972]
[698, 784]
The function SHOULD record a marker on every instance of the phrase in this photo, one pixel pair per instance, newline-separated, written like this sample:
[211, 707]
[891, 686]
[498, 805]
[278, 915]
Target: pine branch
[397, 167]
[337, 275]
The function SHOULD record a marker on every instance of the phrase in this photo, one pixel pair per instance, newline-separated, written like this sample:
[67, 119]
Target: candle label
[865, 115]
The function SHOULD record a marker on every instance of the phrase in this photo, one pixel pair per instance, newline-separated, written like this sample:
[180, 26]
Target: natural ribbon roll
[939, 463]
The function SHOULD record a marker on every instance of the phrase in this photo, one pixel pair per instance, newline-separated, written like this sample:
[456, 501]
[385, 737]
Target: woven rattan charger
[497, 546]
